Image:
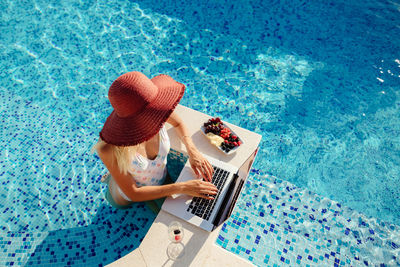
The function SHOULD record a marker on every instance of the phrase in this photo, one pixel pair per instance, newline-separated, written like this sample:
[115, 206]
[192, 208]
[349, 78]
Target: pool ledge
[200, 247]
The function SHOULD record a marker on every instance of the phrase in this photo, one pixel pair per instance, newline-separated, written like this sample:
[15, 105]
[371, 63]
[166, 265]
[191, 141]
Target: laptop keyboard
[202, 207]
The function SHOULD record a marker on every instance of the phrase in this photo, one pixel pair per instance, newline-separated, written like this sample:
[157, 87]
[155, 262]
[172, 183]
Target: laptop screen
[238, 181]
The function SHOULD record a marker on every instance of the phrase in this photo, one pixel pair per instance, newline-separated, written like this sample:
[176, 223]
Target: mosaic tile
[328, 119]
[304, 229]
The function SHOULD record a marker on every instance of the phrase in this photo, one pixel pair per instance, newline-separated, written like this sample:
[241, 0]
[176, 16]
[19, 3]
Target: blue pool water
[319, 81]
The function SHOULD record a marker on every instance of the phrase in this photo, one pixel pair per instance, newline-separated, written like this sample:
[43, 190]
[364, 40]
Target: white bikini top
[150, 172]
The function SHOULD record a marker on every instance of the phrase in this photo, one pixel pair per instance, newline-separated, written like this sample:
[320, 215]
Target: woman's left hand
[200, 166]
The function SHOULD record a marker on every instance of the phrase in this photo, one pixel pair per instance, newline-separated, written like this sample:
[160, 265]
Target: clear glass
[175, 249]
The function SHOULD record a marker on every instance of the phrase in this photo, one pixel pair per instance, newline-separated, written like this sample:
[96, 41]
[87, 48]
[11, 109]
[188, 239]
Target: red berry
[239, 143]
[235, 143]
[218, 119]
[226, 141]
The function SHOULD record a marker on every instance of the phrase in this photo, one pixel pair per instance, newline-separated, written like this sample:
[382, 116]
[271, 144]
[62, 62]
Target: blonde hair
[121, 153]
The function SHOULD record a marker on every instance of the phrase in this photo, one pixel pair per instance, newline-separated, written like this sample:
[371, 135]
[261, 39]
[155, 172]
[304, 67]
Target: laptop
[209, 214]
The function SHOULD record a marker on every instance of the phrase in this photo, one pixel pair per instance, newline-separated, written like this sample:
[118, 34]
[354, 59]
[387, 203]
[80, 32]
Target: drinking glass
[175, 235]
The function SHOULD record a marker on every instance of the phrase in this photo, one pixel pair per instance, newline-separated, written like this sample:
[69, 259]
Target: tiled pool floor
[97, 244]
[63, 217]
[281, 224]
[278, 224]
[284, 225]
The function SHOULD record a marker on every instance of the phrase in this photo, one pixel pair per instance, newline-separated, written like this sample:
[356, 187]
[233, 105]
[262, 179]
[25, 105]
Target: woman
[134, 144]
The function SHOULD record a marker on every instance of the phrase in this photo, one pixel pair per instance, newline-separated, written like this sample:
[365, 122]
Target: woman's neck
[150, 148]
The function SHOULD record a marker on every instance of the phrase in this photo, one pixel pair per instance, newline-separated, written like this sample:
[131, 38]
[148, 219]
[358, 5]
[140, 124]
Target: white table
[200, 247]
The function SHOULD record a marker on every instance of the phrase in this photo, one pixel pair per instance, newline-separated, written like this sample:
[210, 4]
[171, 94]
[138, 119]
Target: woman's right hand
[199, 188]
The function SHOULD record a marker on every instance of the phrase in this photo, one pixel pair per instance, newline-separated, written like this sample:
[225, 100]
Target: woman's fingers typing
[206, 174]
[199, 188]
[210, 170]
[201, 166]
[207, 171]
[209, 190]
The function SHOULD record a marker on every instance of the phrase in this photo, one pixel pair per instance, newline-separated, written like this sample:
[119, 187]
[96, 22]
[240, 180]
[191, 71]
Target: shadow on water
[100, 243]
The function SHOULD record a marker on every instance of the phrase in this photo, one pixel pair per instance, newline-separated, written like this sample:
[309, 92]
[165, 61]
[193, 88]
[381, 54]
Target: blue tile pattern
[326, 119]
[276, 222]
[96, 244]
[111, 235]
[176, 161]
[324, 98]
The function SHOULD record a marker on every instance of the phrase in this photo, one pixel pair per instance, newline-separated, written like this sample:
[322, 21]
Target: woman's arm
[199, 164]
[197, 188]
[124, 181]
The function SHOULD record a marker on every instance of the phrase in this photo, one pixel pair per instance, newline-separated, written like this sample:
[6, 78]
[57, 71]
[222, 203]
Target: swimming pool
[319, 81]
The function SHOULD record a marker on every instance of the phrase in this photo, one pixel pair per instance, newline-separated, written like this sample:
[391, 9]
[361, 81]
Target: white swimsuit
[149, 172]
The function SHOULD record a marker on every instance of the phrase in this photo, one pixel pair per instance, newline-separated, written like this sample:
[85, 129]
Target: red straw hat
[141, 106]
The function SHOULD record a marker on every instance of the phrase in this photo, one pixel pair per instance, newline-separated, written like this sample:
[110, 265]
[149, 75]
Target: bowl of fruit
[221, 136]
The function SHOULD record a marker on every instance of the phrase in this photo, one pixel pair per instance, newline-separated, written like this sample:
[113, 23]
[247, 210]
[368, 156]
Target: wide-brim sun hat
[141, 107]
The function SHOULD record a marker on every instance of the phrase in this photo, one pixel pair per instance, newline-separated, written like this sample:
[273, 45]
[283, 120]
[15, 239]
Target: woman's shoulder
[105, 152]
[105, 149]
[163, 133]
